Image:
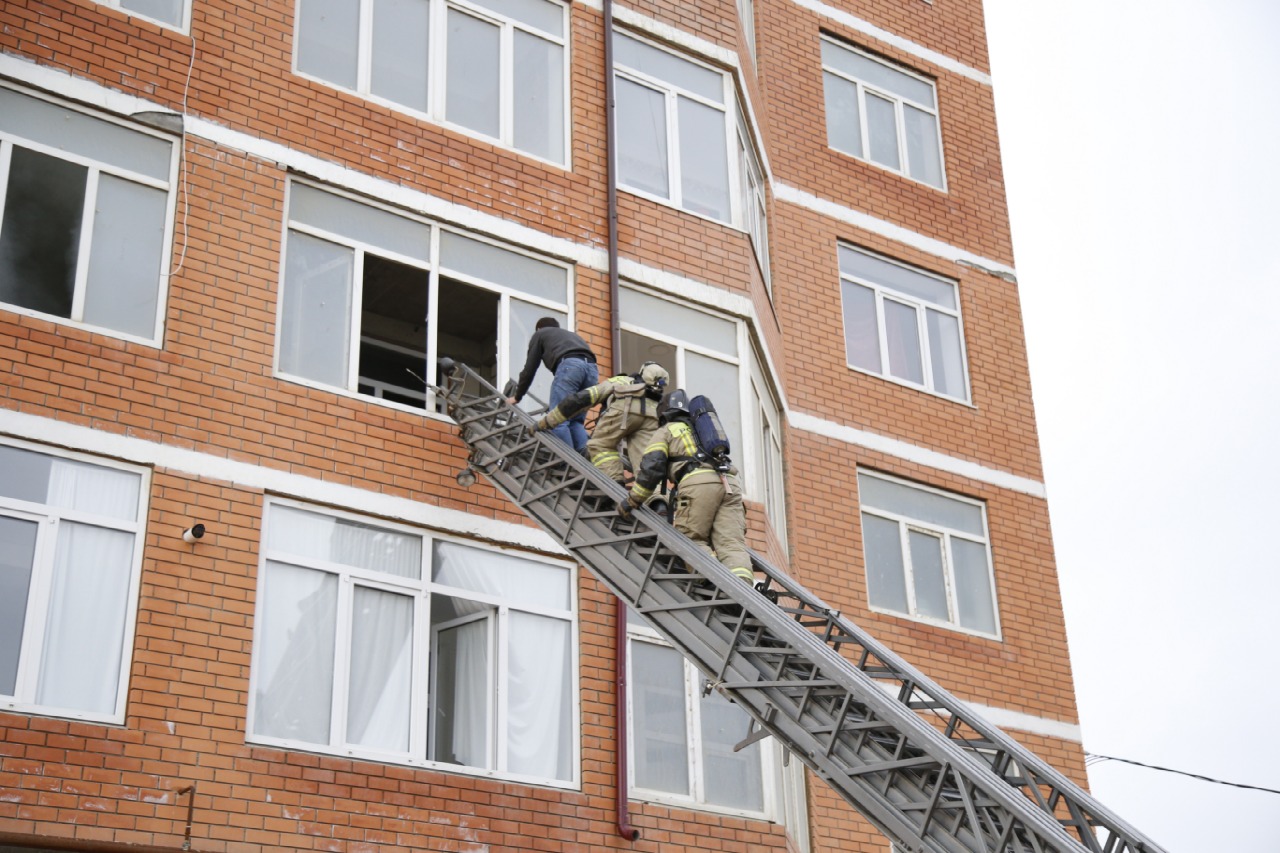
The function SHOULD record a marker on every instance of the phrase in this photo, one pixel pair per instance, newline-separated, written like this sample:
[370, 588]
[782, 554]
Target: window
[70, 557]
[366, 309]
[927, 555]
[671, 120]
[170, 12]
[682, 742]
[495, 68]
[700, 351]
[747, 15]
[765, 420]
[755, 215]
[378, 641]
[878, 112]
[902, 323]
[85, 208]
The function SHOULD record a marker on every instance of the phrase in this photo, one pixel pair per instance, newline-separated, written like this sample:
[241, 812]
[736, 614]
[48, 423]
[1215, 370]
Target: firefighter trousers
[709, 511]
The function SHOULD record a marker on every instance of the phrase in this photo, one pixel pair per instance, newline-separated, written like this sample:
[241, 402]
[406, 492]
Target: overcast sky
[1141, 146]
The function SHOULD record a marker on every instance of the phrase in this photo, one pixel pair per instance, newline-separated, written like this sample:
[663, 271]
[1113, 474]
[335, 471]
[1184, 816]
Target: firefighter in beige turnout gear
[709, 506]
[631, 416]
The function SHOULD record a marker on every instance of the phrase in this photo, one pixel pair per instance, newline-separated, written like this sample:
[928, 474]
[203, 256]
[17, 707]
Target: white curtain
[381, 660]
[462, 689]
[538, 702]
[88, 603]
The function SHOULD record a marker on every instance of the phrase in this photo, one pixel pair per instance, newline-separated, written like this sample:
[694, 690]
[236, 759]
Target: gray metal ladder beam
[897, 747]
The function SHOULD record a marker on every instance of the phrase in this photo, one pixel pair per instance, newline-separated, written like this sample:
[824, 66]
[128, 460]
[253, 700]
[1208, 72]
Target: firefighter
[631, 416]
[573, 366]
[708, 502]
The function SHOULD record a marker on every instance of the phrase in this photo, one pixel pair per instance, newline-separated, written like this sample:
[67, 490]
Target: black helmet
[676, 405]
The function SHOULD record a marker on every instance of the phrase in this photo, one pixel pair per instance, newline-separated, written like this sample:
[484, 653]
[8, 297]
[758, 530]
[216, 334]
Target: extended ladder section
[898, 748]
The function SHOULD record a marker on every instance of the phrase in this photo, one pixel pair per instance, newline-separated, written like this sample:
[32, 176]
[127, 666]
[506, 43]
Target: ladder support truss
[913, 759]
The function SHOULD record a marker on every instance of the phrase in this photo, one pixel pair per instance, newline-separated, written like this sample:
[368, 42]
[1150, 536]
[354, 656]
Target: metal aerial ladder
[913, 759]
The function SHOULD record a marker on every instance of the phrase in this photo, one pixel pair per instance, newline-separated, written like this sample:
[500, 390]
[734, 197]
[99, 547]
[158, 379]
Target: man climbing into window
[709, 506]
[573, 366]
[630, 416]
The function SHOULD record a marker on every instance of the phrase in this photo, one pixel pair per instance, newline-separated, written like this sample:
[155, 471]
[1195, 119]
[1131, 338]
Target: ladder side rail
[1087, 811]
[921, 737]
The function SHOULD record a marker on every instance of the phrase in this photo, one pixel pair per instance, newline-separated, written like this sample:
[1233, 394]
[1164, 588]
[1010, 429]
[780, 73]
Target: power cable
[1092, 758]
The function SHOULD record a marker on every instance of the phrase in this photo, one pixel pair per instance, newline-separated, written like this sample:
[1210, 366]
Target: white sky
[1141, 146]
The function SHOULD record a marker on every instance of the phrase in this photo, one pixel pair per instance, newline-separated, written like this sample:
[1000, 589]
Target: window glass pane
[637, 349]
[895, 276]
[861, 327]
[668, 68]
[168, 11]
[539, 709]
[474, 57]
[886, 579]
[704, 165]
[88, 605]
[539, 96]
[124, 260]
[491, 263]
[40, 234]
[945, 355]
[393, 331]
[361, 222]
[294, 654]
[17, 556]
[719, 381]
[642, 138]
[924, 160]
[524, 319]
[539, 14]
[844, 125]
[876, 73]
[93, 489]
[882, 131]
[659, 725]
[340, 540]
[973, 585]
[400, 56]
[381, 668]
[902, 334]
[328, 34]
[731, 778]
[77, 133]
[921, 505]
[530, 582]
[460, 713]
[315, 314]
[679, 321]
[928, 574]
[467, 327]
[26, 474]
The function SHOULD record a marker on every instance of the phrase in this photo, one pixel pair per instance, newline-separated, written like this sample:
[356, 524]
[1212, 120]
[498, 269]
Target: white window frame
[435, 267]
[97, 168]
[768, 483]
[887, 293]
[672, 92]
[38, 597]
[747, 15]
[898, 100]
[181, 26]
[693, 686]
[437, 83]
[424, 632]
[907, 524]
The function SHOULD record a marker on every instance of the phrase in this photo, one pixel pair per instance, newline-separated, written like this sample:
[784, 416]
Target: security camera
[193, 534]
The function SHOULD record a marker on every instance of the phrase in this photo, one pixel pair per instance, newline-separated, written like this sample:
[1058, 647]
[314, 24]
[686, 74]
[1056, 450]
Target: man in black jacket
[573, 364]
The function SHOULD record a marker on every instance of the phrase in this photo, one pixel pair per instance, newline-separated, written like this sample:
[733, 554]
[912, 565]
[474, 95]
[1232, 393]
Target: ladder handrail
[918, 782]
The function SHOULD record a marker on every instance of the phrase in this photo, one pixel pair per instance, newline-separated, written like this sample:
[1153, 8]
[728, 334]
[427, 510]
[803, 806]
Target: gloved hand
[624, 508]
[540, 424]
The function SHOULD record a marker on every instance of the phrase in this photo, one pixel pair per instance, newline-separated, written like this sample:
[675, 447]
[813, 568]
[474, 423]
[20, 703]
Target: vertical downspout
[625, 829]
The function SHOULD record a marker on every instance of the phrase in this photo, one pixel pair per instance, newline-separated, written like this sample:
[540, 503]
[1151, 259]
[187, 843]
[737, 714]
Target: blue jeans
[572, 376]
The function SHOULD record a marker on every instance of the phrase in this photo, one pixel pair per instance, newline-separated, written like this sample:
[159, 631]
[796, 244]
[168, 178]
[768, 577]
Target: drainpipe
[625, 829]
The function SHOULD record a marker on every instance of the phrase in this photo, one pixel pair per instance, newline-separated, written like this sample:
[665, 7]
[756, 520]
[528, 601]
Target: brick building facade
[232, 239]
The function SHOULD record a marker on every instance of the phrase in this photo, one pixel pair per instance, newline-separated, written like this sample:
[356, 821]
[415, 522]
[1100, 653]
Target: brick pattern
[210, 388]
